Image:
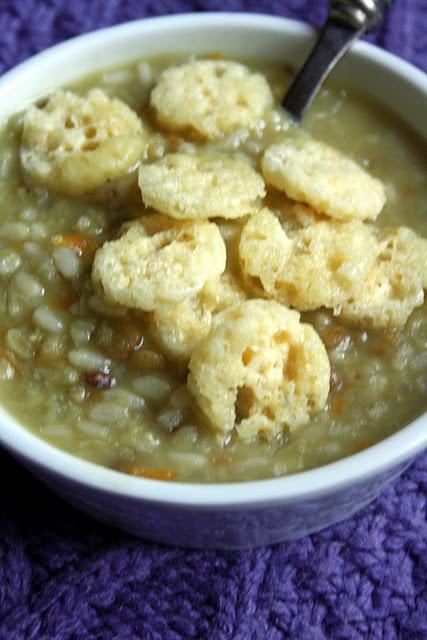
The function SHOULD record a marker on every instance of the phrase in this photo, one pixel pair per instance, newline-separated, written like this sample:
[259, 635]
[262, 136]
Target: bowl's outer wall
[216, 528]
[194, 525]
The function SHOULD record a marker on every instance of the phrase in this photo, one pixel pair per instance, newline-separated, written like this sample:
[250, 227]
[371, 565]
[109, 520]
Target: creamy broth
[57, 333]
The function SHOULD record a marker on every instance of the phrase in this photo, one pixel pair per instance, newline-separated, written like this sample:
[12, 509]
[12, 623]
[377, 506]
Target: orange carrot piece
[377, 352]
[173, 142]
[6, 355]
[334, 336]
[215, 55]
[221, 459]
[153, 474]
[66, 301]
[84, 245]
[389, 335]
[337, 405]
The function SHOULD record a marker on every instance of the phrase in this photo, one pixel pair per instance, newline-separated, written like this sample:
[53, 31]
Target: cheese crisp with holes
[211, 98]
[314, 173]
[201, 186]
[73, 145]
[178, 328]
[158, 260]
[320, 265]
[259, 371]
[394, 285]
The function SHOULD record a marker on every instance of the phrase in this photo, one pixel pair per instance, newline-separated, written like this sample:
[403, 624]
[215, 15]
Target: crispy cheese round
[159, 260]
[73, 145]
[260, 371]
[210, 97]
[331, 183]
[201, 186]
[394, 285]
[320, 265]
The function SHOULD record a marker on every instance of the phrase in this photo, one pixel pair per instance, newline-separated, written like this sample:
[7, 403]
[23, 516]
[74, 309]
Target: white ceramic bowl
[224, 515]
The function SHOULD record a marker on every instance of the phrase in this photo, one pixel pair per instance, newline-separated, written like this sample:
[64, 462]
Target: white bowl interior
[379, 74]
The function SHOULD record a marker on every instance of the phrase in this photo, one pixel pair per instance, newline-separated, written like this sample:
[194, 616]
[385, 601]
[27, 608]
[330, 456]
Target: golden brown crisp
[320, 265]
[201, 186]
[73, 144]
[210, 97]
[159, 261]
[394, 286]
[314, 173]
[260, 371]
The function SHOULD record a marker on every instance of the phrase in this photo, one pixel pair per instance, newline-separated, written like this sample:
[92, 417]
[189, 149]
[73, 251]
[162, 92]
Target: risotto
[194, 289]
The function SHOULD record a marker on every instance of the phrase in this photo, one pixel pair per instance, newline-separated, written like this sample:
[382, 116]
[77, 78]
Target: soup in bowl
[199, 293]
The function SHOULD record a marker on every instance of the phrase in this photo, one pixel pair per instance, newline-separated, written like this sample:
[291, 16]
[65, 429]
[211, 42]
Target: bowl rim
[387, 454]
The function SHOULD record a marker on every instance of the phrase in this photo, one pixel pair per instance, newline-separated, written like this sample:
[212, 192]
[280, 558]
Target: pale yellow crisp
[312, 172]
[260, 371]
[73, 145]
[159, 260]
[210, 97]
[201, 186]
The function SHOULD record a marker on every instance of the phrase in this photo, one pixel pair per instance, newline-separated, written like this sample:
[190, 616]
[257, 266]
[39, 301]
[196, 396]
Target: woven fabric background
[65, 577]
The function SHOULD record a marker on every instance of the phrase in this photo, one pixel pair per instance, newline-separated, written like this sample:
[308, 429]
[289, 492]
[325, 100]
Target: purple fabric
[65, 577]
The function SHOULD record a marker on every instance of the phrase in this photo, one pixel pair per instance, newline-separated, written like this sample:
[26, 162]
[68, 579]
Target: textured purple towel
[64, 577]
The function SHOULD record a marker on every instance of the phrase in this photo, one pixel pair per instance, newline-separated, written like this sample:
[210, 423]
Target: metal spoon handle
[347, 20]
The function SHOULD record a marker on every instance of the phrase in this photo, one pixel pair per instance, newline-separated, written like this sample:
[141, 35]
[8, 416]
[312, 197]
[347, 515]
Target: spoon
[346, 21]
